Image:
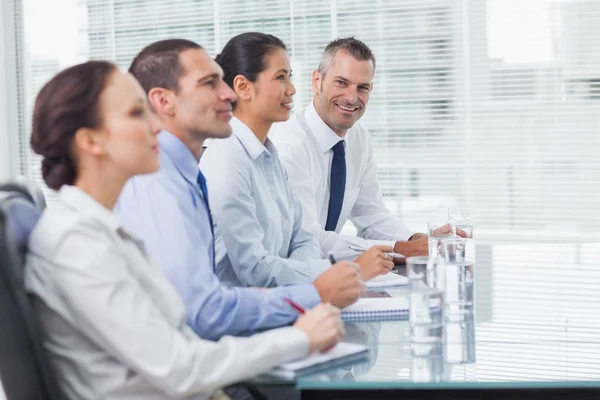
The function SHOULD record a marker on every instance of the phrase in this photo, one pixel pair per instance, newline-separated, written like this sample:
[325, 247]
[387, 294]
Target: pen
[295, 305]
[361, 250]
[332, 259]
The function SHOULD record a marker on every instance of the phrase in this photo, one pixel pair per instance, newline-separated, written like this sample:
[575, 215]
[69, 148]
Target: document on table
[341, 354]
[389, 279]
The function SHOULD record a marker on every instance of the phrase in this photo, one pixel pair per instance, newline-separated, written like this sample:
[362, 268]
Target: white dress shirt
[305, 146]
[115, 328]
[260, 236]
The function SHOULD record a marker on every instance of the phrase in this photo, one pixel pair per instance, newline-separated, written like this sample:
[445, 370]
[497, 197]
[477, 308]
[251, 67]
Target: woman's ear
[241, 87]
[90, 141]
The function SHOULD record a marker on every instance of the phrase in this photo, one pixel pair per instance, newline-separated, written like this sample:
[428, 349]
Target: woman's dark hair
[246, 54]
[68, 102]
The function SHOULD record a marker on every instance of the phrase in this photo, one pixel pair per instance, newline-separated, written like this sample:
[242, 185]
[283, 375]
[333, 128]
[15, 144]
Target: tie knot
[338, 149]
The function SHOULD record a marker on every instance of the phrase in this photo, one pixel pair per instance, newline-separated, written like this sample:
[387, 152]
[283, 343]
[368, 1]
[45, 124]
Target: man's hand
[447, 230]
[418, 244]
[375, 262]
[323, 326]
[415, 247]
[341, 285]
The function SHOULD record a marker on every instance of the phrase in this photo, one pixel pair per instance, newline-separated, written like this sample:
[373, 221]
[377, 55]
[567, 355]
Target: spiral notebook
[342, 354]
[377, 309]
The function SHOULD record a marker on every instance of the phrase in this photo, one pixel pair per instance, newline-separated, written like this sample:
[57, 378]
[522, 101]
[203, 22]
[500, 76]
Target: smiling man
[329, 157]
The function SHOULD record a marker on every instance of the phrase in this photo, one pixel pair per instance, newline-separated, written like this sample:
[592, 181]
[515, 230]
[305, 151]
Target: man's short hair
[158, 64]
[354, 47]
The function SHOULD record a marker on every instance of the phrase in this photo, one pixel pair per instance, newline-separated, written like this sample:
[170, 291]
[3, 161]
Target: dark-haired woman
[264, 241]
[115, 328]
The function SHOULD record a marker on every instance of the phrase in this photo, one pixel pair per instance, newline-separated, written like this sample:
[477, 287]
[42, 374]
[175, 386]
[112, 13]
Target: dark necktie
[202, 184]
[337, 185]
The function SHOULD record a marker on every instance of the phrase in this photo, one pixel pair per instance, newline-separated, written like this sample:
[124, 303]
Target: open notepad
[389, 279]
[377, 309]
[341, 354]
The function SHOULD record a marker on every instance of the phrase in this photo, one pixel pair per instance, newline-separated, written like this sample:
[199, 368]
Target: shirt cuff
[407, 236]
[318, 267]
[291, 343]
[382, 243]
[353, 255]
[306, 295]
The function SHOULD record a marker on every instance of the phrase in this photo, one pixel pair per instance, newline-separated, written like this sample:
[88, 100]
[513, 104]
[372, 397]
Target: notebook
[341, 354]
[377, 309]
[389, 279]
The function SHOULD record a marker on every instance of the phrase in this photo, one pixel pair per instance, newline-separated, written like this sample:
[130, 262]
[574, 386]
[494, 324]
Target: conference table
[535, 334]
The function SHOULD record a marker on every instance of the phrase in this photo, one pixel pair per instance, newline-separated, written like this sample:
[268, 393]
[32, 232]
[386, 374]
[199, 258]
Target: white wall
[8, 106]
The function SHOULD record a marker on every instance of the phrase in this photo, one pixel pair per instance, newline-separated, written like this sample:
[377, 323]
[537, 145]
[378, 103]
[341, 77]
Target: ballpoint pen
[361, 250]
[295, 305]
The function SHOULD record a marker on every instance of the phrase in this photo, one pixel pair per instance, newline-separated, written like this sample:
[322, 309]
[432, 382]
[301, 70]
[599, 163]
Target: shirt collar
[249, 141]
[180, 156]
[325, 136]
[86, 204]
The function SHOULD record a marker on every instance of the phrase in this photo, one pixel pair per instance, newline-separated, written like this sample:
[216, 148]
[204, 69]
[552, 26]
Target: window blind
[488, 103]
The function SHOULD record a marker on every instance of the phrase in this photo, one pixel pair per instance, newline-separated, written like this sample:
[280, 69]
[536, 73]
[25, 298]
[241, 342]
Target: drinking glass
[461, 218]
[437, 231]
[459, 339]
[457, 283]
[426, 324]
[423, 272]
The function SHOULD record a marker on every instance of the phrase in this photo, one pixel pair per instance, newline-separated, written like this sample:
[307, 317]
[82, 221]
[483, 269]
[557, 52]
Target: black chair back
[25, 369]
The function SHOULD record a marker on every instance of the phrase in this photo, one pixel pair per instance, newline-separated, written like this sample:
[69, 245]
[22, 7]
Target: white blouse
[115, 328]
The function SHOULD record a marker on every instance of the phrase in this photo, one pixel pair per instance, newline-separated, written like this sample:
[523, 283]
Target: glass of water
[456, 250]
[422, 272]
[437, 231]
[461, 218]
[426, 321]
[459, 339]
[458, 282]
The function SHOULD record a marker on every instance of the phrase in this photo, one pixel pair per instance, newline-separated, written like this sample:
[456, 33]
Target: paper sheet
[389, 279]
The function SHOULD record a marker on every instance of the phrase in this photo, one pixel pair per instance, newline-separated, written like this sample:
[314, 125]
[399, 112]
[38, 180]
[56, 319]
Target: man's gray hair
[354, 47]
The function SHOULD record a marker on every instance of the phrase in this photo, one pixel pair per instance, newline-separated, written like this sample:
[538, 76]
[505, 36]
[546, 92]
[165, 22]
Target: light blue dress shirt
[264, 241]
[167, 211]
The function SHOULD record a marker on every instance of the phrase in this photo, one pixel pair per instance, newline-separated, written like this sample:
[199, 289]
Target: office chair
[23, 202]
[26, 187]
[25, 369]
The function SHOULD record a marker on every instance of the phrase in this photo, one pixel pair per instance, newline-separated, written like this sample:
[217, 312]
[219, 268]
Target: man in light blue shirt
[169, 209]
